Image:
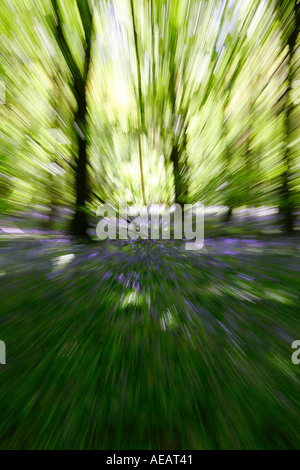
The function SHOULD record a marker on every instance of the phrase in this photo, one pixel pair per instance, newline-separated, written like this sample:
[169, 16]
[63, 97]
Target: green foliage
[213, 76]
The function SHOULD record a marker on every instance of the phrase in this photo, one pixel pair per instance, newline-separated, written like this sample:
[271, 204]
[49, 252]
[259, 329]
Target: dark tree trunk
[228, 214]
[228, 200]
[179, 173]
[53, 202]
[79, 222]
[286, 205]
[140, 100]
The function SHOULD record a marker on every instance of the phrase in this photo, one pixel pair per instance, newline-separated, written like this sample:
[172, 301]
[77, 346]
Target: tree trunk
[79, 222]
[228, 200]
[140, 101]
[286, 205]
[179, 172]
[178, 155]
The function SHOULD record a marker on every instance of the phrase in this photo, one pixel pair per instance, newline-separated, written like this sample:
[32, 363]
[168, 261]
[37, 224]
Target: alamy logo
[2, 352]
[154, 222]
[296, 354]
[2, 92]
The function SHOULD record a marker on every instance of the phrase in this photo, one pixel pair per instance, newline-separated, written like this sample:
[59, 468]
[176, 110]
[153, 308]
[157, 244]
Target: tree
[290, 30]
[79, 86]
[140, 100]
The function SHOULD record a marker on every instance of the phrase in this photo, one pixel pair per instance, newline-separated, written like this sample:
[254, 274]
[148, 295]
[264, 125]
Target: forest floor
[143, 345]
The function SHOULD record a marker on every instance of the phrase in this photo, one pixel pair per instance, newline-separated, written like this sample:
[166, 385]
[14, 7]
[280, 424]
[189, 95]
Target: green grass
[146, 346]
